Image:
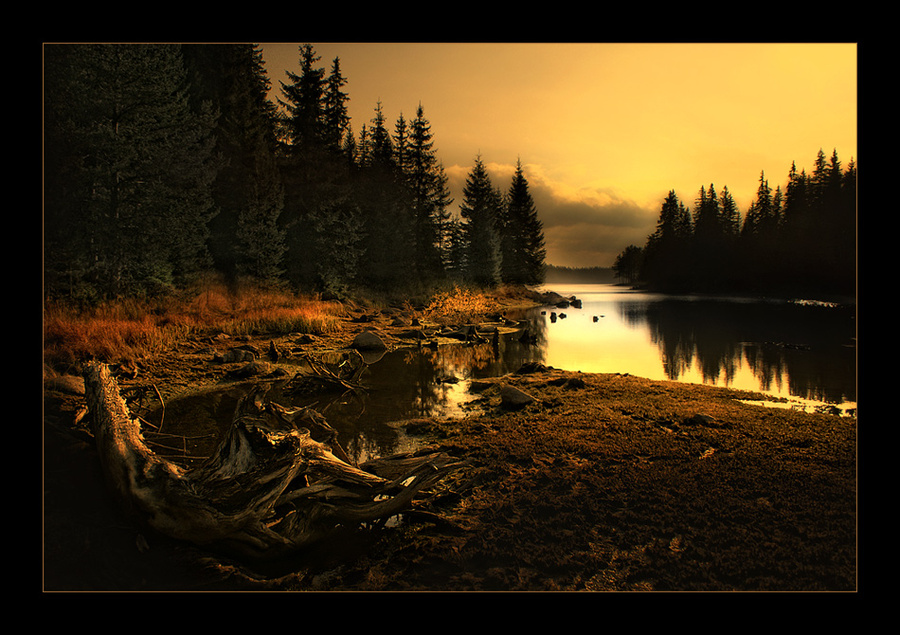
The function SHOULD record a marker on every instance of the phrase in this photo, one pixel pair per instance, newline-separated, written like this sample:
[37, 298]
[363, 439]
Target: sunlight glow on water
[798, 350]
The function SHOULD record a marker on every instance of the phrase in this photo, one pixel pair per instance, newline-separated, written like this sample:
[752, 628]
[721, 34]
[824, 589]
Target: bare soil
[605, 482]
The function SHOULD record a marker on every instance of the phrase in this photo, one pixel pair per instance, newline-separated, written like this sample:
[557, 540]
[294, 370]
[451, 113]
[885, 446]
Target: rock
[574, 383]
[513, 398]
[476, 386]
[702, 420]
[531, 367]
[412, 334]
[367, 340]
[252, 369]
[235, 355]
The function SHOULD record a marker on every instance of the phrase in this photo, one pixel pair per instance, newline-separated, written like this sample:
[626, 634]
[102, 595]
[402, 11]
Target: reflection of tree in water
[418, 382]
[801, 346]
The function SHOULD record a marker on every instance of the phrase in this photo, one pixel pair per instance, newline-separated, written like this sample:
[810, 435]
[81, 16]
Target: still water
[804, 352]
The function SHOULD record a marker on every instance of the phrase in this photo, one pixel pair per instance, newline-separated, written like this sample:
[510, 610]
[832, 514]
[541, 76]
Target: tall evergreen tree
[430, 197]
[479, 210]
[522, 234]
[245, 238]
[385, 205]
[303, 101]
[336, 120]
[317, 211]
[666, 262]
[135, 199]
[730, 219]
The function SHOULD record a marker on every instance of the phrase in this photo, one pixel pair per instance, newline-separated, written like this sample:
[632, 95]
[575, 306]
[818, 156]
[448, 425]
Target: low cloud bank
[583, 227]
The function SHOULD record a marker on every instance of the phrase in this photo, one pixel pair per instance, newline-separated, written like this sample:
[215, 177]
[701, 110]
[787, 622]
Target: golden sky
[604, 131]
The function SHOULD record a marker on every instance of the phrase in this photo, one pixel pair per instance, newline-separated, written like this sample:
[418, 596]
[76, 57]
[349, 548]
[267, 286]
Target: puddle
[846, 409]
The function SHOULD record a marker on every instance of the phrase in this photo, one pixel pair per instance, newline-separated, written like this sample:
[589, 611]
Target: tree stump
[269, 489]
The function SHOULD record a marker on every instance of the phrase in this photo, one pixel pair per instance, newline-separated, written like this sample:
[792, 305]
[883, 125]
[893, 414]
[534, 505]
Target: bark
[278, 481]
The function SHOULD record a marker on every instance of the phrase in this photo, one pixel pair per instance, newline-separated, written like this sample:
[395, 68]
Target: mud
[601, 483]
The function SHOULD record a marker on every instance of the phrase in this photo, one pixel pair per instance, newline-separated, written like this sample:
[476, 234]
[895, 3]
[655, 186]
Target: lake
[802, 351]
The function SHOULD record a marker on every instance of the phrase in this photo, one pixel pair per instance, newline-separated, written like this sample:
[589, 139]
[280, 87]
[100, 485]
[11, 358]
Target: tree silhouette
[480, 209]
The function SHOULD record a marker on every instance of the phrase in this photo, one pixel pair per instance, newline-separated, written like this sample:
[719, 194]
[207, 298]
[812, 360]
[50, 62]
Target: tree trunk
[269, 489]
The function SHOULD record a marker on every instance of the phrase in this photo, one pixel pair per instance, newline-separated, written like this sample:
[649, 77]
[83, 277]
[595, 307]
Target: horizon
[604, 131]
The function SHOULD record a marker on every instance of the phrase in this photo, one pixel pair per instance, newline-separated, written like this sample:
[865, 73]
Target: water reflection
[787, 349]
[781, 348]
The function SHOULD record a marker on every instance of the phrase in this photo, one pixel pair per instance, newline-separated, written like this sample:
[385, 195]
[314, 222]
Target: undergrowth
[131, 329]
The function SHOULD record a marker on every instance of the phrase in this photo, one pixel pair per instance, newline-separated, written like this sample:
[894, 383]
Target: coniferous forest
[800, 239]
[167, 162]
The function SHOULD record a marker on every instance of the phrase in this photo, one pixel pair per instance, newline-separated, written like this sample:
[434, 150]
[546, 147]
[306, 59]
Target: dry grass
[129, 329]
[459, 306]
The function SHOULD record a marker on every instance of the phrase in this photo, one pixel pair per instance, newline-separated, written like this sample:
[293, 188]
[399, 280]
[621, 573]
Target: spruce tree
[430, 198]
[385, 205]
[522, 234]
[303, 100]
[667, 260]
[245, 238]
[336, 120]
[135, 200]
[479, 210]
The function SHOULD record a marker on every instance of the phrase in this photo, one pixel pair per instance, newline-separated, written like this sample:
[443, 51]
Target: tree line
[798, 239]
[163, 162]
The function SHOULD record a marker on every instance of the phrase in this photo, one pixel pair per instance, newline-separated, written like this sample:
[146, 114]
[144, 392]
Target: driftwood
[269, 489]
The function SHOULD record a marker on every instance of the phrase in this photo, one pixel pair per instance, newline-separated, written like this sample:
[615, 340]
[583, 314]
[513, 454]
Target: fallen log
[269, 489]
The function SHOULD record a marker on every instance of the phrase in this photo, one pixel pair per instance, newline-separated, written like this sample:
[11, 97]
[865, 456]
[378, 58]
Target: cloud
[583, 226]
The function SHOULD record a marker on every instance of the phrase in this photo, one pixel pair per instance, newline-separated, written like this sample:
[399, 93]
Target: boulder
[253, 369]
[367, 340]
[513, 398]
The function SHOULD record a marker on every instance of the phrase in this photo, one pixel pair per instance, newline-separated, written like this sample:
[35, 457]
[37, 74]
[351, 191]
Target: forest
[800, 239]
[165, 163]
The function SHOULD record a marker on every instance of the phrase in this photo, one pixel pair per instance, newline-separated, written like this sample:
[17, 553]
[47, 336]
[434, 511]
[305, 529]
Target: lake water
[802, 351]
[805, 352]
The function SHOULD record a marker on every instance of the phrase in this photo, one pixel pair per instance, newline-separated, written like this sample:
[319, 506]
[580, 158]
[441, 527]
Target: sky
[605, 130]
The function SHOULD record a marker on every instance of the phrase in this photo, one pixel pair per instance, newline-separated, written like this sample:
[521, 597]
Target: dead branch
[274, 485]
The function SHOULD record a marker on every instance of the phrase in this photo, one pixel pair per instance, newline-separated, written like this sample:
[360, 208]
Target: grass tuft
[131, 329]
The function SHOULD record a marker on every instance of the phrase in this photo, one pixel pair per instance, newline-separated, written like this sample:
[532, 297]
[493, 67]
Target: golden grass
[459, 306]
[130, 329]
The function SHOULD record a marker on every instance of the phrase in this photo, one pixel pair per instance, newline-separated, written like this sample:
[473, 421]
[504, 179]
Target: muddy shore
[603, 482]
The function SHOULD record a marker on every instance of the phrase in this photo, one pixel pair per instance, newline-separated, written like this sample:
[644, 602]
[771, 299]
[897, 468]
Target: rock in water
[367, 340]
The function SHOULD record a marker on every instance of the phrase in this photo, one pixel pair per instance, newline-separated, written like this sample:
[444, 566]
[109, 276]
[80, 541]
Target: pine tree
[667, 262]
[430, 197]
[303, 101]
[135, 199]
[318, 210]
[336, 120]
[522, 234]
[245, 238]
[400, 145]
[730, 219]
[479, 209]
[385, 204]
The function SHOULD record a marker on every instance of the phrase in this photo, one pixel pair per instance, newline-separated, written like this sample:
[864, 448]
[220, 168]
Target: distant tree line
[800, 239]
[582, 275]
[164, 162]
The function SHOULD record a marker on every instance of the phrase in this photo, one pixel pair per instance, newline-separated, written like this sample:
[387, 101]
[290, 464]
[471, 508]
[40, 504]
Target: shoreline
[603, 482]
